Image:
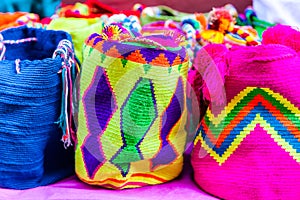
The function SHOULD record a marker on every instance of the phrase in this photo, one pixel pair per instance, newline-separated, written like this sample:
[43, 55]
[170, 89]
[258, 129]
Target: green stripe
[217, 129]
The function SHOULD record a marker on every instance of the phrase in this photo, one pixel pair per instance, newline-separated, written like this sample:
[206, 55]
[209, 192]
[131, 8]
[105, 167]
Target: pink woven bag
[250, 148]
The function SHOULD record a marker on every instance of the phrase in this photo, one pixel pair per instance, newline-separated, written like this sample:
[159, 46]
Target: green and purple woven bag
[132, 110]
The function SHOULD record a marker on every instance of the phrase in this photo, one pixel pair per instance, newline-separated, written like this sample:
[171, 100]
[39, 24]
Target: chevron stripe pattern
[221, 135]
[173, 56]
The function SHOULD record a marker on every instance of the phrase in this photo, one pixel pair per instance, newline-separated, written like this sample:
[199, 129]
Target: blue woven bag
[37, 69]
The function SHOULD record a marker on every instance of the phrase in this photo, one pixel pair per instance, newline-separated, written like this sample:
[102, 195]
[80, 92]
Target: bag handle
[144, 40]
[10, 42]
[117, 32]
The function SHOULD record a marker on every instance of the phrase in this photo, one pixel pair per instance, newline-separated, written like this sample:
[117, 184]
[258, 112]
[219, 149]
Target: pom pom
[219, 19]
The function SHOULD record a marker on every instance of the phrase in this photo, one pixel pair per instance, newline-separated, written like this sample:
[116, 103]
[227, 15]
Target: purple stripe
[172, 113]
[181, 53]
[150, 54]
[99, 104]
[108, 45]
[171, 116]
[104, 101]
[92, 155]
[98, 39]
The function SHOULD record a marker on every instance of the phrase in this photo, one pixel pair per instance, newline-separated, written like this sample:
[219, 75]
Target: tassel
[70, 68]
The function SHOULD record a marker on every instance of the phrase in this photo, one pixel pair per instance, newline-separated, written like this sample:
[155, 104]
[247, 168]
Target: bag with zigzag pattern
[247, 145]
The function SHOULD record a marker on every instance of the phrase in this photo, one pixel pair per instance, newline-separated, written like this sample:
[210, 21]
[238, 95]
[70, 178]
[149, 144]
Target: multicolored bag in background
[16, 19]
[161, 13]
[249, 18]
[78, 28]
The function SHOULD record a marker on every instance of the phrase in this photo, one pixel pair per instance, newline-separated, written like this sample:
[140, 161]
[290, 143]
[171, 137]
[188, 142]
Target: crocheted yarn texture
[250, 150]
[132, 110]
[78, 28]
[31, 153]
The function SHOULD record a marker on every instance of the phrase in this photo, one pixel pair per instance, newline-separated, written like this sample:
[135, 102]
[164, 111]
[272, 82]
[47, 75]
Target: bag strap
[10, 42]
[145, 41]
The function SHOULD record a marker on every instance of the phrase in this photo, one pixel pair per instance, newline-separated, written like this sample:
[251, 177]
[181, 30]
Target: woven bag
[189, 28]
[132, 110]
[249, 149]
[284, 35]
[205, 84]
[78, 28]
[34, 101]
[15, 19]
[163, 13]
[249, 18]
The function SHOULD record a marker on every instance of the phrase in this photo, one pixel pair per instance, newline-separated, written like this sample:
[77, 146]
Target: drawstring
[17, 63]
[68, 71]
[10, 42]
[3, 42]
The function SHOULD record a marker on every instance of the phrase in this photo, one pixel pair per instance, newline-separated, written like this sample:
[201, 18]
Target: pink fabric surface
[268, 175]
[272, 66]
[71, 188]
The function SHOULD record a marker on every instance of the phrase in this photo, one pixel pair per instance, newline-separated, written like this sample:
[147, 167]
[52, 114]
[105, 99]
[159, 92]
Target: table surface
[181, 188]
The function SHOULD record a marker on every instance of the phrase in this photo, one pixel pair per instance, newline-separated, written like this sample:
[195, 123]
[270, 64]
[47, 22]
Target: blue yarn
[31, 151]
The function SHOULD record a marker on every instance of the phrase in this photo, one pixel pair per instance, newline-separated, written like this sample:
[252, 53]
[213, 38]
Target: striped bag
[248, 148]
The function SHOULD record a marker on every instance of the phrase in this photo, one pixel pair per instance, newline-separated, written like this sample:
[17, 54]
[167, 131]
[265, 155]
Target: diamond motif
[99, 105]
[137, 116]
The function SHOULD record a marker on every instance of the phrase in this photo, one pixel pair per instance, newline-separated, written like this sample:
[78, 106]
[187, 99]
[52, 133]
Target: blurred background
[45, 8]
[274, 11]
[181, 5]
